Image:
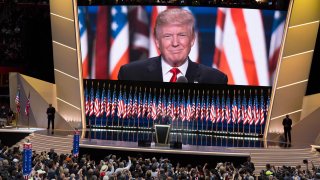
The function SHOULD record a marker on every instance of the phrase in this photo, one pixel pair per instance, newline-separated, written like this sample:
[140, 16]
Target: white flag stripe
[257, 41]
[218, 37]
[275, 39]
[232, 50]
[141, 41]
[119, 47]
[84, 46]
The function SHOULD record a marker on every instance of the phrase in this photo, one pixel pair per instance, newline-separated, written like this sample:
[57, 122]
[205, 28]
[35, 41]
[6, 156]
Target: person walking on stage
[50, 112]
[287, 122]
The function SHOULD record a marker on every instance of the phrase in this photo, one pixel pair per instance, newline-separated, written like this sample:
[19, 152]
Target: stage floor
[191, 143]
[115, 139]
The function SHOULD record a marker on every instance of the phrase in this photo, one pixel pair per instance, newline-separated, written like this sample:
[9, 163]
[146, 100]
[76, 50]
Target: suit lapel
[154, 69]
[192, 72]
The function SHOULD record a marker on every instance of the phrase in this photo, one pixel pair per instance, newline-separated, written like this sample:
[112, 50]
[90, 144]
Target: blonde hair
[174, 16]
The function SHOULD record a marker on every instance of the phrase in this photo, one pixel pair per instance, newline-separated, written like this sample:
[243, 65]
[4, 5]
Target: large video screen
[237, 46]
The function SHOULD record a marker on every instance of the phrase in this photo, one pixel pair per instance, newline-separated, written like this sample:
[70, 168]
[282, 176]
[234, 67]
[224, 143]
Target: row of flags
[125, 33]
[136, 103]
[18, 104]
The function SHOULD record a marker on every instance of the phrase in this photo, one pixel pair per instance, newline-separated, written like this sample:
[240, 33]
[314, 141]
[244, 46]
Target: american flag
[91, 101]
[261, 110]
[223, 109]
[244, 110]
[139, 32]
[234, 108]
[198, 108]
[27, 109]
[99, 64]
[177, 107]
[124, 97]
[139, 112]
[169, 105]
[208, 107]
[103, 102]
[164, 104]
[145, 104]
[276, 38]
[239, 108]
[154, 108]
[212, 110]
[97, 104]
[228, 110]
[250, 111]
[203, 108]
[256, 110]
[84, 41]
[134, 110]
[129, 105]
[87, 101]
[189, 108]
[149, 112]
[173, 104]
[218, 111]
[240, 46]
[183, 108]
[119, 50]
[193, 107]
[26, 177]
[114, 102]
[17, 101]
[159, 109]
[108, 103]
[121, 105]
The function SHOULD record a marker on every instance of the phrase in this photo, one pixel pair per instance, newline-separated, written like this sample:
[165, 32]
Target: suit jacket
[287, 122]
[150, 70]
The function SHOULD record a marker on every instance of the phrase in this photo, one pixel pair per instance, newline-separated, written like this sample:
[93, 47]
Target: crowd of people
[50, 165]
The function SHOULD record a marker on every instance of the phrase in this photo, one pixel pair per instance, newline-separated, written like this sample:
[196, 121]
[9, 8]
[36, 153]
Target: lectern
[162, 134]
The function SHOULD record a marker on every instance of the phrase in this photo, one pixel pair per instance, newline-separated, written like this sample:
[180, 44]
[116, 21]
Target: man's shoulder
[141, 63]
[208, 74]
[208, 69]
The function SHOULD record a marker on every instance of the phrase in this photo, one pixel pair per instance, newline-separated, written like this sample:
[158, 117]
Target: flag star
[80, 25]
[124, 9]
[113, 11]
[114, 26]
[277, 14]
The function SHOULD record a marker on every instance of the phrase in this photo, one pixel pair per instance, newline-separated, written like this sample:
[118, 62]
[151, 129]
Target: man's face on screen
[174, 42]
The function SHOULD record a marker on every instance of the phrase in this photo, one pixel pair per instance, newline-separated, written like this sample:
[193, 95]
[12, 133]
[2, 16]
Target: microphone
[182, 79]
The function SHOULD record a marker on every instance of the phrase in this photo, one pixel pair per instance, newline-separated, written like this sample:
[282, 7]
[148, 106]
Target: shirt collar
[166, 67]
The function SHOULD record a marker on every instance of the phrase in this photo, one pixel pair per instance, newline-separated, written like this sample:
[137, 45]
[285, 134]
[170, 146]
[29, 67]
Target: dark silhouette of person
[174, 37]
[50, 112]
[249, 166]
[287, 122]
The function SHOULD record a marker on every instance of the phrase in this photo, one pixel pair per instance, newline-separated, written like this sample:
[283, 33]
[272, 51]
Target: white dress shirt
[166, 74]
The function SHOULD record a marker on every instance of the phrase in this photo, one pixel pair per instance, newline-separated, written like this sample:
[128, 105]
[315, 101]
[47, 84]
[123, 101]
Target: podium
[162, 134]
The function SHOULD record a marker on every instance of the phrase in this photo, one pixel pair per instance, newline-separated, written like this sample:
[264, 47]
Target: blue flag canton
[119, 19]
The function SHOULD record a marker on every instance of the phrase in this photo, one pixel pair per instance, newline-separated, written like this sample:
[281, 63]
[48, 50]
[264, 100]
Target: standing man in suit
[174, 35]
[50, 112]
[287, 122]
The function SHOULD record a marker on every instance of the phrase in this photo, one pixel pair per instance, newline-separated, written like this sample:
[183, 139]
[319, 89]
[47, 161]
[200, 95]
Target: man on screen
[174, 34]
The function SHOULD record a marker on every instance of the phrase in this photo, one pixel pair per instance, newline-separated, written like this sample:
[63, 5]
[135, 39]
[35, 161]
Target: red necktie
[175, 72]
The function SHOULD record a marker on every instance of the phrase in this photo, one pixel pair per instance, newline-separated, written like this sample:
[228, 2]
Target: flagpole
[17, 120]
